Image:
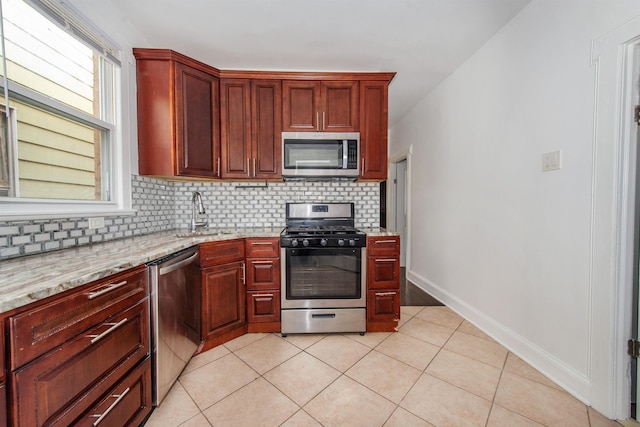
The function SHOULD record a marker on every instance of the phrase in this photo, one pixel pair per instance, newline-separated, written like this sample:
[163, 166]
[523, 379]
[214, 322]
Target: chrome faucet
[196, 205]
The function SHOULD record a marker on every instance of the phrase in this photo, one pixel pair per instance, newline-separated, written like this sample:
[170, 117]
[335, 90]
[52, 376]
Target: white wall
[503, 243]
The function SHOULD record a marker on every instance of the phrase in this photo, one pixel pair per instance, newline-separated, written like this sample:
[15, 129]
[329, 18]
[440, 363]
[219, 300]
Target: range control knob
[341, 242]
[305, 243]
[294, 242]
[352, 242]
[323, 242]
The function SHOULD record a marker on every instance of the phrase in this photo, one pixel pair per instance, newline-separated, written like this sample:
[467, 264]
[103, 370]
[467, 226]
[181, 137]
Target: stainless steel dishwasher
[175, 304]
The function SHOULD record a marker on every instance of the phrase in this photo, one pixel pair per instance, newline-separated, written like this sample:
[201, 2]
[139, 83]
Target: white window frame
[18, 208]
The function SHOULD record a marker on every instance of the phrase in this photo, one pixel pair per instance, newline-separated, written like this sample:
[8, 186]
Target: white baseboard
[557, 371]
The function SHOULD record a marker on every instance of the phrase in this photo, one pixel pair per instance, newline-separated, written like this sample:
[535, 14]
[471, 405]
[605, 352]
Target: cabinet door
[339, 111]
[197, 123]
[235, 114]
[383, 306]
[373, 130]
[263, 306]
[301, 106]
[266, 128]
[383, 273]
[263, 273]
[223, 302]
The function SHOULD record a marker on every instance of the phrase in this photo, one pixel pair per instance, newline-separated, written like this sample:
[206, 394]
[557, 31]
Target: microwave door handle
[345, 154]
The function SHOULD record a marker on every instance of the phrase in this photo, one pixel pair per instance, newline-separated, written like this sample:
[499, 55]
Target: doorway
[400, 206]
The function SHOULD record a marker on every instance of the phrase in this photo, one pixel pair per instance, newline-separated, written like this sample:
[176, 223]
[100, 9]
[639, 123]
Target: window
[59, 138]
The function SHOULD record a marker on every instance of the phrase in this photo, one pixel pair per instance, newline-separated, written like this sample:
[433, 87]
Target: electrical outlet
[551, 161]
[96, 222]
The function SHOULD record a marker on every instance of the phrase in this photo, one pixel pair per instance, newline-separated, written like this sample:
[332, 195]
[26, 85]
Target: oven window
[323, 274]
[313, 154]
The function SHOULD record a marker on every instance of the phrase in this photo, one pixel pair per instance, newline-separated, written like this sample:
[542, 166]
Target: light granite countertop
[31, 278]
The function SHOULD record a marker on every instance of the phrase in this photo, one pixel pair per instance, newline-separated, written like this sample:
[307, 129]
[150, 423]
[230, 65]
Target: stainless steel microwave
[320, 155]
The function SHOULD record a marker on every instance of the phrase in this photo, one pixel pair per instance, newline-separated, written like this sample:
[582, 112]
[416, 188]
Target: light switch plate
[551, 161]
[96, 222]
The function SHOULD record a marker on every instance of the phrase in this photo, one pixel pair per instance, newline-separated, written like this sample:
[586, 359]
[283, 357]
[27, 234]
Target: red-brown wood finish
[126, 404]
[263, 284]
[223, 300]
[373, 130]
[218, 253]
[36, 331]
[339, 111]
[266, 128]
[178, 115]
[312, 106]
[4, 418]
[235, 114]
[383, 283]
[61, 385]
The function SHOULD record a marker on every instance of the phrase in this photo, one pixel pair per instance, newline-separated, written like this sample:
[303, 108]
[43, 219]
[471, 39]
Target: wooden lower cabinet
[223, 302]
[60, 386]
[263, 306]
[126, 404]
[383, 283]
[263, 284]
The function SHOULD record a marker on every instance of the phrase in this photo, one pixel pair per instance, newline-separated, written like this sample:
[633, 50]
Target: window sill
[26, 210]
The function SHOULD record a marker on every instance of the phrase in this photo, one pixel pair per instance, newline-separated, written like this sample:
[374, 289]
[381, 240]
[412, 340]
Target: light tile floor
[438, 370]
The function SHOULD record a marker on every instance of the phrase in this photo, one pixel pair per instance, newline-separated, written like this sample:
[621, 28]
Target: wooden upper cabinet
[320, 106]
[235, 114]
[251, 113]
[373, 129]
[178, 115]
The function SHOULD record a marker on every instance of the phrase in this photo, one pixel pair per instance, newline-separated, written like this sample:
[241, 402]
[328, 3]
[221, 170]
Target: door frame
[392, 198]
[612, 219]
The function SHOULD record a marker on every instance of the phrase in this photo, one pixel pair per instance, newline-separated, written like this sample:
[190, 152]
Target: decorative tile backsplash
[163, 205]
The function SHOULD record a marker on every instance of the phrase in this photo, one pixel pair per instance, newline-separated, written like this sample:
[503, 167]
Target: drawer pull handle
[261, 243]
[114, 326]
[386, 259]
[262, 295]
[378, 242]
[262, 262]
[110, 287]
[118, 397]
[384, 294]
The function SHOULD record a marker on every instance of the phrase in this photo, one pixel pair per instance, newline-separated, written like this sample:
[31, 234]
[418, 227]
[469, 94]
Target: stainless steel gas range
[323, 271]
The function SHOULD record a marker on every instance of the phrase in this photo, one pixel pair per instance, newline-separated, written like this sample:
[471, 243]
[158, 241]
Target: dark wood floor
[410, 294]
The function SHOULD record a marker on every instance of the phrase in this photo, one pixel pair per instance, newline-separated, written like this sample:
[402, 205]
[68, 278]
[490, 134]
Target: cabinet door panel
[339, 106]
[223, 299]
[263, 306]
[266, 128]
[263, 274]
[373, 130]
[127, 404]
[197, 124]
[59, 386]
[301, 106]
[383, 273]
[235, 101]
[383, 306]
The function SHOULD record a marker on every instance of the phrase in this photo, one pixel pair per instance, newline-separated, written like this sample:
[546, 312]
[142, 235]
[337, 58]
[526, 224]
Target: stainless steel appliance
[323, 273]
[174, 281]
[320, 155]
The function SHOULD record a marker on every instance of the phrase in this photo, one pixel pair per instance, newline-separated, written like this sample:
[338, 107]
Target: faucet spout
[197, 208]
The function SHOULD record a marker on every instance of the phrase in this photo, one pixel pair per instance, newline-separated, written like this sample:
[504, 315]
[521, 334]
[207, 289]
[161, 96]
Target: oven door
[323, 277]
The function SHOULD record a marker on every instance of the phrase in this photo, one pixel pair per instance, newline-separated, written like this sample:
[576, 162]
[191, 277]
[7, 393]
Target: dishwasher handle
[177, 266]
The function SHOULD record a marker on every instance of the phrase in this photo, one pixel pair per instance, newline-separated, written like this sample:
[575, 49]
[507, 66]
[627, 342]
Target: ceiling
[422, 40]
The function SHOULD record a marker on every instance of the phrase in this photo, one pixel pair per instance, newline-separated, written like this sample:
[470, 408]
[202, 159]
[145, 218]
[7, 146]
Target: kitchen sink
[205, 232]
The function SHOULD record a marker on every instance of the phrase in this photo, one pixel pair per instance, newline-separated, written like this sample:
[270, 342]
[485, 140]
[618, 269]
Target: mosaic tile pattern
[164, 205]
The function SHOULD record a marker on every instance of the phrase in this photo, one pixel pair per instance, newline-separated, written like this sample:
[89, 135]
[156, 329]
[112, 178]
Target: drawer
[383, 306]
[61, 385]
[127, 404]
[388, 245]
[262, 248]
[33, 333]
[263, 306]
[216, 253]
[263, 273]
[383, 273]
